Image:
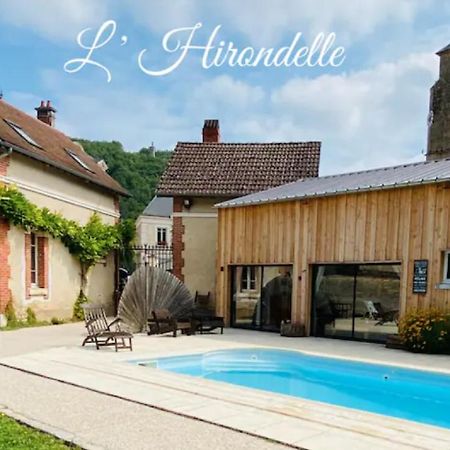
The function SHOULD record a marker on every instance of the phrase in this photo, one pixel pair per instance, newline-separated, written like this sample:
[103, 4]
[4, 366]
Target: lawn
[15, 436]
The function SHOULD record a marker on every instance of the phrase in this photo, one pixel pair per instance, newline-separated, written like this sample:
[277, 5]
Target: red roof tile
[54, 147]
[227, 169]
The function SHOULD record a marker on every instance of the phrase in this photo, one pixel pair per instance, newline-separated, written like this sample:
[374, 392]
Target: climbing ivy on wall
[88, 243]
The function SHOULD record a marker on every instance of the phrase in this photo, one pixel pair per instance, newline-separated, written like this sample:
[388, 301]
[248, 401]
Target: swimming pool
[393, 391]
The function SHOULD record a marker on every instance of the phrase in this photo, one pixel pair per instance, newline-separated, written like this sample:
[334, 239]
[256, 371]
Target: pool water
[393, 391]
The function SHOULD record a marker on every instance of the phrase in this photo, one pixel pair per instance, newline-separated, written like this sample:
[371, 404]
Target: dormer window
[76, 158]
[22, 133]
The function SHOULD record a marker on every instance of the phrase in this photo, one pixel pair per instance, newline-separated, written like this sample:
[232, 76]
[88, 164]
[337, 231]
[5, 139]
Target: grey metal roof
[159, 206]
[369, 180]
[443, 50]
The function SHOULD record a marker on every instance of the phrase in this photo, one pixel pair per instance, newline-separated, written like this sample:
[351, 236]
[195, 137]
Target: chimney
[46, 113]
[439, 112]
[211, 131]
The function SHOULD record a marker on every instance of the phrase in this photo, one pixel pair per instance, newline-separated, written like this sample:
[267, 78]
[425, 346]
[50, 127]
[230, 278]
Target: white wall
[74, 199]
[146, 228]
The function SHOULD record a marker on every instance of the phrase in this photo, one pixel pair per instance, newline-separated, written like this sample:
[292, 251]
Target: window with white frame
[161, 236]
[34, 262]
[446, 274]
[248, 279]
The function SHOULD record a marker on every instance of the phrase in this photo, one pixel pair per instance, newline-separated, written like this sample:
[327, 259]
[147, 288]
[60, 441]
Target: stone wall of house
[146, 229]
[5, 272]
[76, 200]
[195, 233]
[5, 293]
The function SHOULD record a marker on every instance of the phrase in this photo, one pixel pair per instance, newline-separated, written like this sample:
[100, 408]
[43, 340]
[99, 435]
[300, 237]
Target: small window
[21, 132]
[34, 263]
[446, 274]
[161, 236]
[76, 158]
[248, 280]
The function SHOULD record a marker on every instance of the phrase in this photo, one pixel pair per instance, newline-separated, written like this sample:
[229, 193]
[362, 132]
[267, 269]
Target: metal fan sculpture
[151, 288]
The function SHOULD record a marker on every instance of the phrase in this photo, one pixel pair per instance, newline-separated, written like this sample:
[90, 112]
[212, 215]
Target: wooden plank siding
[395, 225]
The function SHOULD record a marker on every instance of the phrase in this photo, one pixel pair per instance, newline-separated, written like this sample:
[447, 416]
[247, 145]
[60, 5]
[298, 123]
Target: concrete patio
[197, 404]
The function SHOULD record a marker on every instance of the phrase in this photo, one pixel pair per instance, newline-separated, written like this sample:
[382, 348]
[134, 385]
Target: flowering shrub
[426, 331]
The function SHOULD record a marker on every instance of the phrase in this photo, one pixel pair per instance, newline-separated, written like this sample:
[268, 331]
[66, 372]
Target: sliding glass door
[261, 297]
[356, 301]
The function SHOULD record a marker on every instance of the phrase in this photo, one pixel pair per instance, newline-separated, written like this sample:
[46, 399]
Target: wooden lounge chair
[205, 322]
[391, 315]
[375, 311]
[203, 318]
[163, 322]
[103, 334]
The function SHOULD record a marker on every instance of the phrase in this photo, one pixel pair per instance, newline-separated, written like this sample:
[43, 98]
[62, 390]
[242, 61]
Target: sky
[369, 112]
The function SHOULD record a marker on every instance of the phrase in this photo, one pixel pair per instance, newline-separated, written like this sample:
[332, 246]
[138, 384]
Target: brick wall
[4, 163]
[5, 270]
[177, 239]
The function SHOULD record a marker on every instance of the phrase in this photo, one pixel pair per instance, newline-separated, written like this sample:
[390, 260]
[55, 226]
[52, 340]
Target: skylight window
[75, 157]
[22, 133]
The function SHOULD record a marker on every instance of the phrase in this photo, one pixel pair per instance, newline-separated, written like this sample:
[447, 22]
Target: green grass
[15, 436]
[22, 324]
[40, 323]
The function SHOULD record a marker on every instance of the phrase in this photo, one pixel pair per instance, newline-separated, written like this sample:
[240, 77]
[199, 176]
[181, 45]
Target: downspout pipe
[8, 152]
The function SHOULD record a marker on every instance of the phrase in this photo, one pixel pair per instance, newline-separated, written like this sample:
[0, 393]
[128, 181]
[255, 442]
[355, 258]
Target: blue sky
[369, 112]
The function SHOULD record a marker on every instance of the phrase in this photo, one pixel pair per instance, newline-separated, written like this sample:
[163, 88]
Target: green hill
[138, 172]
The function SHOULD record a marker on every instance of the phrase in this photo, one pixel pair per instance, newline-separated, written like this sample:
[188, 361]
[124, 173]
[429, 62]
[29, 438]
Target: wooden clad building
[344, 255]
[356, 251]
[201, 174]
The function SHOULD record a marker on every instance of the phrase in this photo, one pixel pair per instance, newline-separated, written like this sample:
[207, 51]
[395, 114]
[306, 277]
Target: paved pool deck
[231, 409]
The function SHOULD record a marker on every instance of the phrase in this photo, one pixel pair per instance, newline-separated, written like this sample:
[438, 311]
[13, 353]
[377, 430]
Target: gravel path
[97, 421]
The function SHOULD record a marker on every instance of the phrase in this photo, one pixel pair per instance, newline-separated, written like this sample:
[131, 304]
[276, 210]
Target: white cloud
[226, 93]
[54, 19]
[266, 22]
[134, 118]
[368, 118]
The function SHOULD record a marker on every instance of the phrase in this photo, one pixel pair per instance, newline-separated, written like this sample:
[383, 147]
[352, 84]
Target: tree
[138, 172]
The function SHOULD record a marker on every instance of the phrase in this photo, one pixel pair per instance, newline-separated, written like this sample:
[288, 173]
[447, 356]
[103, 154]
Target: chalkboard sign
[420, 279]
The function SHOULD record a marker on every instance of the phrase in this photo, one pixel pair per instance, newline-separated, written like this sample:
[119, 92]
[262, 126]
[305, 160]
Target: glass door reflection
[262, 297]
[333, 300]
[247, 296]
[276, 297]
[377, 301]
[359, 301]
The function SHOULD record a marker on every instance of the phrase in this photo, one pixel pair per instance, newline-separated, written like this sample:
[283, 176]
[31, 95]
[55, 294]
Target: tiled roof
[53, 148]
[369, 180]
[226, 169]
[160, 207]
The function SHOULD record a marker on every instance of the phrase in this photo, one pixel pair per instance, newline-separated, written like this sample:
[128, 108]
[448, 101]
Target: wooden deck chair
[163, 322]
[205, 320]
[103, 334]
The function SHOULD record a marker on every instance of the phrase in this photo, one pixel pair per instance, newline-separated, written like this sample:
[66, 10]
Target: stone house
[202, 174]
[52, 171]
[154, 234]
[154, 225]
